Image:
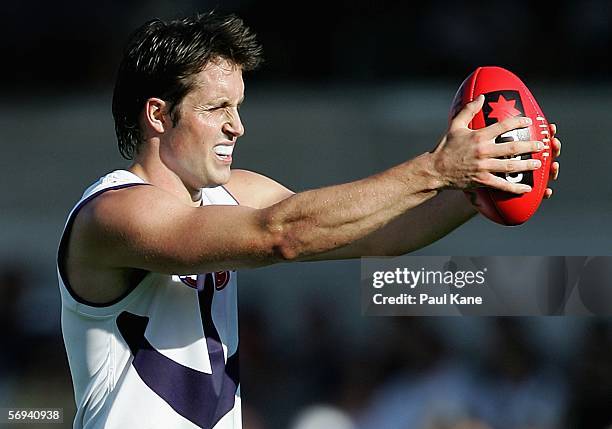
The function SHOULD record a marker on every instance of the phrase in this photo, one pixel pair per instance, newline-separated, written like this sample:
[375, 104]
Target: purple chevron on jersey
[200, 397]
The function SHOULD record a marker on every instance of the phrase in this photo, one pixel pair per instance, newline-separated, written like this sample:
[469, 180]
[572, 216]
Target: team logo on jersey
[191, 280]
[222, 279]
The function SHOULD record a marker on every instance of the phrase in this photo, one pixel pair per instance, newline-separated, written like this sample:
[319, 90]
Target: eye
[223, 106]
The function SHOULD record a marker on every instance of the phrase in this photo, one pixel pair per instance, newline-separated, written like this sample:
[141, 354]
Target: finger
[503, 185]
[465, 115]
[554, 168]
[511, 165]
[548, 193]
[513, 148]
[553, 129]
[556, 145]
[498, 128]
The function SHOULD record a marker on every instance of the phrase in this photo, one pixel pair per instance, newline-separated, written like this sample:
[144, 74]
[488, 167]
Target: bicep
[151, 230]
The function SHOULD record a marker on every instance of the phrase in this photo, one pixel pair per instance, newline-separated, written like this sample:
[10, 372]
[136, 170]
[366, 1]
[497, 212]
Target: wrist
[426, 168]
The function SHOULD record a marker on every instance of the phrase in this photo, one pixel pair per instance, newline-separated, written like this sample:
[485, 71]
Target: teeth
[224, 150]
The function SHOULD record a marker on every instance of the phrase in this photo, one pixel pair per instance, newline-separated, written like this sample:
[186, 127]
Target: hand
[467, 158]
[554, 166]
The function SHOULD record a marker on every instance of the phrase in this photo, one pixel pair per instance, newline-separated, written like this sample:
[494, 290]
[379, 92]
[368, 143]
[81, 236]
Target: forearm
[411, 231]
[419, 227]
[314, 222]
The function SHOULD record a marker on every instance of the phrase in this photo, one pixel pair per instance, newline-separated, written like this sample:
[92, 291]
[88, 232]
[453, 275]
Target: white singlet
[164, 355]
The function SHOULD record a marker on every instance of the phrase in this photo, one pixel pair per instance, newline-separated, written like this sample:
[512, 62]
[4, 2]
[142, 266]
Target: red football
[505, 96]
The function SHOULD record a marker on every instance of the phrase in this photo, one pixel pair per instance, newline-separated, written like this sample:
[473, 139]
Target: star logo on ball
[502, 108]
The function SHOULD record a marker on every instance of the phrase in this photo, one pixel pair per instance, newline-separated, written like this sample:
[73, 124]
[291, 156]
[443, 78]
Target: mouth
[224, 152]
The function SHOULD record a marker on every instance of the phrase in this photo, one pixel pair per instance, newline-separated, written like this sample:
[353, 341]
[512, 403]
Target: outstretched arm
[424, 224]
[414, 229]
[147, 228]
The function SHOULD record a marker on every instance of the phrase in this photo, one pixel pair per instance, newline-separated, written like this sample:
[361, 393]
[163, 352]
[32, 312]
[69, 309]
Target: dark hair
[161, 60]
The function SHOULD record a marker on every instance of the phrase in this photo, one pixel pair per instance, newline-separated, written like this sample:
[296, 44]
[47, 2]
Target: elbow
[284, 251]
[286, 245]
[283, 243]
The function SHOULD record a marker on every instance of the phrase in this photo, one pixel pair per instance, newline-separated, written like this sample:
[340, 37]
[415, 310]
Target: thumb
[465, 116]
[440, 144]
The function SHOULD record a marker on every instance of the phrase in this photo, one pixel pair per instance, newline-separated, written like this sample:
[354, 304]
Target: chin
[218, 179]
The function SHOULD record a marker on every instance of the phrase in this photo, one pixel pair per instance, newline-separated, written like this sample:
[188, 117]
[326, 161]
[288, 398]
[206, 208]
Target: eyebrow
[225, 101]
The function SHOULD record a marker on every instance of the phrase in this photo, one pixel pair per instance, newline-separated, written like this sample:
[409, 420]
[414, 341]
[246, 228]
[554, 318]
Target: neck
[152, 170]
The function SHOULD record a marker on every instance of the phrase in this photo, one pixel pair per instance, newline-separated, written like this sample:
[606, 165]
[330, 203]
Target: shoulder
[117, 204]
[256, 190]
[117, 215]
[94, 240]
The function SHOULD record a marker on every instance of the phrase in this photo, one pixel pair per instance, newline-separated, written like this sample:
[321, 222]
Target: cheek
[208, 127]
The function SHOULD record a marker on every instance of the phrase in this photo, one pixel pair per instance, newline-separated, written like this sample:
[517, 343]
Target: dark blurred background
[347, 89]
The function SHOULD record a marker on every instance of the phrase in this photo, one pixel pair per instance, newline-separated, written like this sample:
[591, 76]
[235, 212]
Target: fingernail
[540, 145]
[526, 188]
[536, 163]
[526, 121]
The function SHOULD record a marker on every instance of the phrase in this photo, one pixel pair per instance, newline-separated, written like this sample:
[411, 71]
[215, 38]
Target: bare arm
[413, 230]
[147, 228]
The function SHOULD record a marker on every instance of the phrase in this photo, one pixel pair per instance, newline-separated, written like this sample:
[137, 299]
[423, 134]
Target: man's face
[199, 148]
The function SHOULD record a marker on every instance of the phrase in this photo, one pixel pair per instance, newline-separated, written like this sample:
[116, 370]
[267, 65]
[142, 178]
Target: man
[150, 336]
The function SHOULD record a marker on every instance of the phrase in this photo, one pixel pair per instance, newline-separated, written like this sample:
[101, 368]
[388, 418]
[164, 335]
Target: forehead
[219, 78]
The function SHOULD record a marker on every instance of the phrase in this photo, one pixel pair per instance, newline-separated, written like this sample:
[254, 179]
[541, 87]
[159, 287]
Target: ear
[155, 114]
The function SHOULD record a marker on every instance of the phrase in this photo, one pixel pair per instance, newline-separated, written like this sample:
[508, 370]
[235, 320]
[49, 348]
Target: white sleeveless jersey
[165, 355]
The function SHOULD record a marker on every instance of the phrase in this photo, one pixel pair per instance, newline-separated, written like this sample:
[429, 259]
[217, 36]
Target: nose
[234, 126]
